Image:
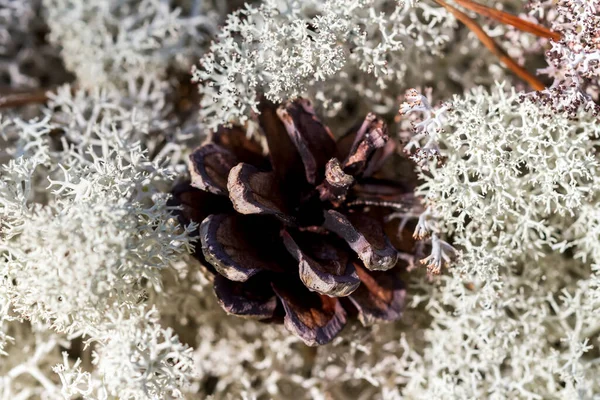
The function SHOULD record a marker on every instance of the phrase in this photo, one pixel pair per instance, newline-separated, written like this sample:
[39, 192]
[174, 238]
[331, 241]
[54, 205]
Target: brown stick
[509, 19]
[18, 99]
[493, 46]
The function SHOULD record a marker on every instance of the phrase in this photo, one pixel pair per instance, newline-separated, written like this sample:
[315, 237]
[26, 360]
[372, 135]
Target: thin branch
[509, 19]
[17, 99]
[493, 46]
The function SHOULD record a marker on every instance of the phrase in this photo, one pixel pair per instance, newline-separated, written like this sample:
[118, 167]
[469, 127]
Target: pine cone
[299, 235]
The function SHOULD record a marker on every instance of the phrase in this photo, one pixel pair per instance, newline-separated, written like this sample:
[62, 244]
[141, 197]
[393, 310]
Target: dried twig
[492, 45]
[509, 19]
[10, 98]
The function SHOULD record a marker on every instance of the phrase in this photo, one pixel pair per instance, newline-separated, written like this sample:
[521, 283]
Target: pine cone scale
[285, 160]
[209, 168]
[370, 244]
[255, 192]
[314, 318]
[380, 297]
[236, 140]
[313, 141]
[331, 274]
[251, 299]
[231, 244]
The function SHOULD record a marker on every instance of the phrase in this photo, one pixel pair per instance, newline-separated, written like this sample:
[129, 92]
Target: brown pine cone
[299, 235]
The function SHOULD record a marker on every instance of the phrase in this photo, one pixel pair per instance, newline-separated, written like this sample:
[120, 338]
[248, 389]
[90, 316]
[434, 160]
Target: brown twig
[493, 46]
[11, 98]
[509, 19]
